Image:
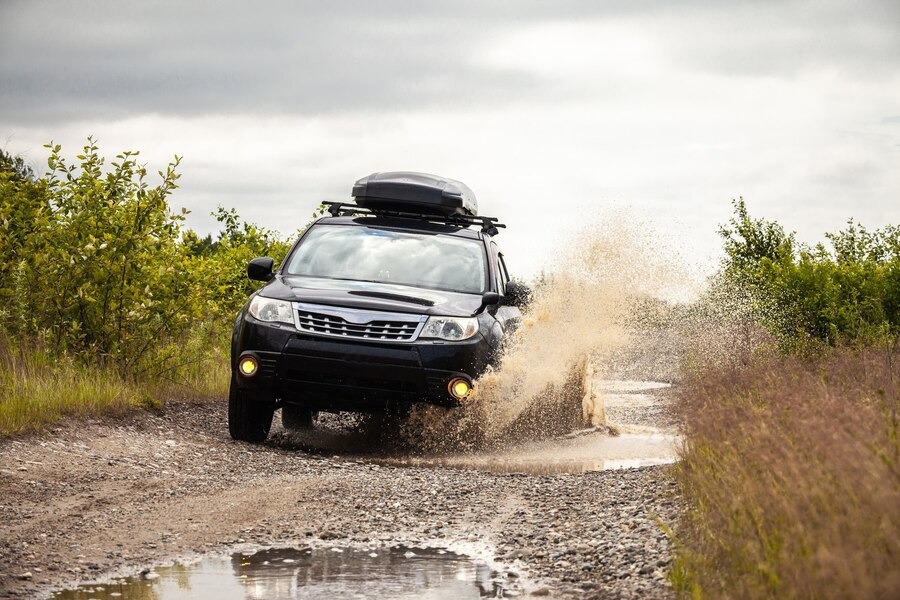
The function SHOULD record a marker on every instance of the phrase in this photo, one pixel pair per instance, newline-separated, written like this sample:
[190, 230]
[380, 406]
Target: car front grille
[402, 329]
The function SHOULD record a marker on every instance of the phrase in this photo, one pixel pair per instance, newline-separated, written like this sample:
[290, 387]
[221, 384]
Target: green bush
[96, 261]
[97, 271]
[24, 213]
[100, 270]
[220, 268]
[803, 295]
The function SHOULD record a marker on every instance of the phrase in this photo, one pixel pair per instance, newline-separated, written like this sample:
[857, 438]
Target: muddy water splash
[580, 317]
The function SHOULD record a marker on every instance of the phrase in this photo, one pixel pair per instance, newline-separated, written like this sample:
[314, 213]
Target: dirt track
[96, 497]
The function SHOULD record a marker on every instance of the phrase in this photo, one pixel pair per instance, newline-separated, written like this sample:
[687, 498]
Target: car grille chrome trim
[349, 323]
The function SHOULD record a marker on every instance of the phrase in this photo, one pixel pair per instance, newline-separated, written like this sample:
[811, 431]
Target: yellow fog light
[248, 366]
[459, 388]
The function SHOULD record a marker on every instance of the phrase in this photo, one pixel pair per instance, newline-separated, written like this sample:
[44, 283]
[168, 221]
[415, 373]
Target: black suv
[398, 298]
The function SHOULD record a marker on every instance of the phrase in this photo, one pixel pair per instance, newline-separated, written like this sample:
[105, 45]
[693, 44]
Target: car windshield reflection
[387, 256]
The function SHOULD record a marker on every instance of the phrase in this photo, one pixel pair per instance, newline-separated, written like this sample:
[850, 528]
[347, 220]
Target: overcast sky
[656, 111]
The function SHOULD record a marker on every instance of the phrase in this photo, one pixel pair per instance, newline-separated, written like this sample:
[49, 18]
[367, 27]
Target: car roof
[407, 224]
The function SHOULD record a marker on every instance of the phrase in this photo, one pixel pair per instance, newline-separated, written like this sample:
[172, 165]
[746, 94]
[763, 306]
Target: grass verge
[35, 393]
[39, 388]
[791, 471]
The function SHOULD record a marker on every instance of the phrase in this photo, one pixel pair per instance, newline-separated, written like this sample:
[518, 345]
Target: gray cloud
[63, 61]
[118, 59]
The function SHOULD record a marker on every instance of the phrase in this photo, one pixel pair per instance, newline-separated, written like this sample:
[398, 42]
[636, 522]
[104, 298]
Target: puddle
[594, 451]
[633, 400]
[631, 385]
[398, 572]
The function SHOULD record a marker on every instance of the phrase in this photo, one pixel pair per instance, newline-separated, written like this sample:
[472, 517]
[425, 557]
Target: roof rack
[489, 225]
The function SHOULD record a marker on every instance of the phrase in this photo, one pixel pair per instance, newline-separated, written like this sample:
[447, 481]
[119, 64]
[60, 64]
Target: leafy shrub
[111, 254]
[220, 268]
[96, 261]
[803, 295]
[96, 271]
[24, 212]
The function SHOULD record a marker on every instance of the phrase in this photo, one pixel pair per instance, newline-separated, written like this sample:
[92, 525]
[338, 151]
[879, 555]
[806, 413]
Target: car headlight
[271, 310]
[450, 328]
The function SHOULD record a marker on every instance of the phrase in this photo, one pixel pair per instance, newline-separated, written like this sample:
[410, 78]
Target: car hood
[371, 296]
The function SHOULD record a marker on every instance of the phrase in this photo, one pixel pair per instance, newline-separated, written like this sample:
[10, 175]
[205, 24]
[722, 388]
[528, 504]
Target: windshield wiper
[389, 296]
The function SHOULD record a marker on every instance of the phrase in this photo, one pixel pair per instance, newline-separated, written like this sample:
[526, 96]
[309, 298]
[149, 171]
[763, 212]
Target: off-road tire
[249, 420]
[297, 417]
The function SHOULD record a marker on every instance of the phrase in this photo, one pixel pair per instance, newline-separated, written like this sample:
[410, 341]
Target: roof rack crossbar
[489, 225]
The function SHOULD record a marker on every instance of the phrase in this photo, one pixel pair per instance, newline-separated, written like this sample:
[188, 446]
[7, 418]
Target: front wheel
[249, 420]
[297, 417]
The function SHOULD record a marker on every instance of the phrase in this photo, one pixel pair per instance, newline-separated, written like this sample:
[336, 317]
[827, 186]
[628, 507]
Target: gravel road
[100, 496]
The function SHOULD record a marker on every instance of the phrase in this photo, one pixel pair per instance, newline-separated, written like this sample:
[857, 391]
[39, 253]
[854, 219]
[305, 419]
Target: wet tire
[297, 417]
[249, 420]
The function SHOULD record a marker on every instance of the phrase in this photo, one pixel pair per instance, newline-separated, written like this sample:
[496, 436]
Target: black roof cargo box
[406, 191]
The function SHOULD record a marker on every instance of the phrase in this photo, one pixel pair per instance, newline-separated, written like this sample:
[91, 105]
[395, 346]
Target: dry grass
[35, 392]
[38, 388]
[791, 470]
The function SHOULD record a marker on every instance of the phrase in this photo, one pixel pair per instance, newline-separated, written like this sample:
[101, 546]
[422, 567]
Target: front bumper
[333, 374]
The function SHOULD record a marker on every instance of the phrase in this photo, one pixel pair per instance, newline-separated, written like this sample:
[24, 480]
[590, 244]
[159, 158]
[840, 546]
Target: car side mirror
[517, 294]
[261, 269]
[487, 299]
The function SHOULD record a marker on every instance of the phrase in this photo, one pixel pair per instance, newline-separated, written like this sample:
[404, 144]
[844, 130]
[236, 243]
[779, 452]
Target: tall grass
[791, 471]
[39, 387]
[36, 390]
[196, 367]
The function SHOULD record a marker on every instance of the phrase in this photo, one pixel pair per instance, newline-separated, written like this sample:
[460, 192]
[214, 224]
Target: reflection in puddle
[290, 573]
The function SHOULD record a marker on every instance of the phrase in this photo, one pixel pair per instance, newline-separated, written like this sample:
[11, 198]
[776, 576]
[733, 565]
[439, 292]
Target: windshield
[423, 260]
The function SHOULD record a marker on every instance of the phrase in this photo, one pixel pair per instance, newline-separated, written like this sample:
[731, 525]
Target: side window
[504, 276]
[498, 268]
